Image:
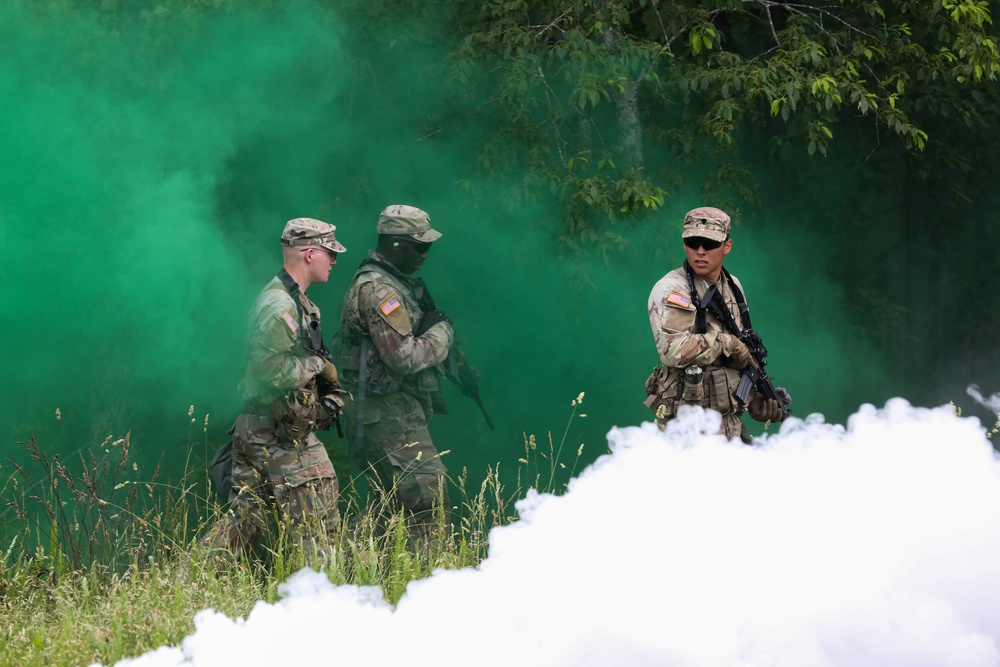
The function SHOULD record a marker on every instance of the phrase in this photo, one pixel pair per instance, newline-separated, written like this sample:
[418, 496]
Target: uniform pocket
[372, 414]
[722, 385]
[416, 458]
[254, 429]
[427, 381]
[303, 475]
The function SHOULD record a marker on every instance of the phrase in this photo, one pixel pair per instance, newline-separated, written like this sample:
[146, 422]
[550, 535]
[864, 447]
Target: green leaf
[695, 41]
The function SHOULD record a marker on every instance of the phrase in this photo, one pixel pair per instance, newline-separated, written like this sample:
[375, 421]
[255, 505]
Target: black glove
[765, 410]
[430, 318]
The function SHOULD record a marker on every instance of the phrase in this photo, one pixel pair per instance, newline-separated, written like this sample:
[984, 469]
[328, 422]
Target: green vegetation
[100, 566]
[611, 103]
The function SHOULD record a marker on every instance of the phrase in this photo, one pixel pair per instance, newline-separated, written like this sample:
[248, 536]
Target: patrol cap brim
[427, 236]
[332, 244]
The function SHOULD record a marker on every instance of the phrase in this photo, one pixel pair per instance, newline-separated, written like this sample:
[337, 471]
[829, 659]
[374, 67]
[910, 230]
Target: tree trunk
[629, 126]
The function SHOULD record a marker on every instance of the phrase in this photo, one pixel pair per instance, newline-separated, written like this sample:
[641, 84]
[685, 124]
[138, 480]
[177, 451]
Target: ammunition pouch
[665, 389]
[663, 392]
[429, 381]
[720, 384]
[295, 414]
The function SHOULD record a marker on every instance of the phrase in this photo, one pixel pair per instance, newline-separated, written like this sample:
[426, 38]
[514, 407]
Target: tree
[581, 87]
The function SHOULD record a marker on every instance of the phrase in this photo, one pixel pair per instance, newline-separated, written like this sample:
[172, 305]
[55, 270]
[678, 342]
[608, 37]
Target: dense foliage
[608, 102]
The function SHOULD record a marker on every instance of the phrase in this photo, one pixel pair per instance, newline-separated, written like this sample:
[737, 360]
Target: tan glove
[765, 409]
[329, 373]
[736, 351]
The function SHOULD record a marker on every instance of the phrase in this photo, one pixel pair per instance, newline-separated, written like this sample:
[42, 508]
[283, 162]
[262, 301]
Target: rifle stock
[467, 380]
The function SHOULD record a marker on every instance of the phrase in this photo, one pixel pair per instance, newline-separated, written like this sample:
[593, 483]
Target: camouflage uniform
[381, 314]
[277, 459]
[672, 317]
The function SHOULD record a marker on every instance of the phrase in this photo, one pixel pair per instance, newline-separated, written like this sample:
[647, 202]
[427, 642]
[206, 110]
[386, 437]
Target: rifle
[461, 374]
[466, 379]
[754, 374]
[328, 394]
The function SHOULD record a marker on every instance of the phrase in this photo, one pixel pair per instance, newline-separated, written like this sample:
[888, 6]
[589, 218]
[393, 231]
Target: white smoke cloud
[992, 403]
[871, 544]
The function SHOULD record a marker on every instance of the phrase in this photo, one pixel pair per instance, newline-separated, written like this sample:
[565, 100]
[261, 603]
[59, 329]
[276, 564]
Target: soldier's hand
[737, 353]
[329, 373]
[334, 402]
[430, 318]
[765, 409]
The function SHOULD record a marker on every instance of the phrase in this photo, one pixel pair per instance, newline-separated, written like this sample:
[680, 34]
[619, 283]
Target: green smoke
[127, 271]
[152, 158]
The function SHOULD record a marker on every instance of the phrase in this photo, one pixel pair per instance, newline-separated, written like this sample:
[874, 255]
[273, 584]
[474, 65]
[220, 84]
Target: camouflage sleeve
[392, 332]
[276, 361]
[672, 318]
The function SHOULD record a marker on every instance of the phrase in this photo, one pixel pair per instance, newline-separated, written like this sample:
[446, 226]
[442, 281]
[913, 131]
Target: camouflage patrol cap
[303, 232]
[707, 222]
[408, 221]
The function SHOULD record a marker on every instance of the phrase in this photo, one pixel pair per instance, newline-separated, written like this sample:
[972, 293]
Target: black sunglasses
[329, 252]
[695, 242]
[420, 247]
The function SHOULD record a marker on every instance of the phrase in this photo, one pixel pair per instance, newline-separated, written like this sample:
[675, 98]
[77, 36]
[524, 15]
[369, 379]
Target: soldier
[700, 359]
[291, 390]
[393, 343]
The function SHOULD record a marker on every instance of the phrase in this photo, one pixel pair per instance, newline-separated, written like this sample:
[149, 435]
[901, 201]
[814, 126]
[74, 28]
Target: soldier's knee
[236, 533]
[315, 499]
[419, 492]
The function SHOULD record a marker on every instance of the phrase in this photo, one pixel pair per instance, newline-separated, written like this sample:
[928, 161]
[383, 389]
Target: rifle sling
[315, 334]
[420, 291]
[362, 390]
[713, 295]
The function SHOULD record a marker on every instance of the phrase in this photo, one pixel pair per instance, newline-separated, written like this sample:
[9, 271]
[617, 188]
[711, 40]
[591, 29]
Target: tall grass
[97, 564]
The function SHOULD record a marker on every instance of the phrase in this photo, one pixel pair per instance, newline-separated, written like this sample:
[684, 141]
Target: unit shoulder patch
[679, 300]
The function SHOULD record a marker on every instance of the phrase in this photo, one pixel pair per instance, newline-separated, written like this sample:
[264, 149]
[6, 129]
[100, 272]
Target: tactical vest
[665, 388]
[356, 345]
[299, 412]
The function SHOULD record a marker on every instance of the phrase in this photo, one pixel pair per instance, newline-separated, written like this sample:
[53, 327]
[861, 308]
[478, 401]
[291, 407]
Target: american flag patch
[290, 322]
[389, 306]
[678, 299]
